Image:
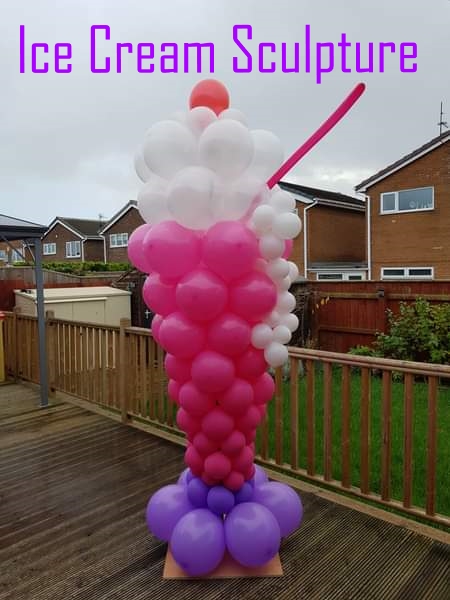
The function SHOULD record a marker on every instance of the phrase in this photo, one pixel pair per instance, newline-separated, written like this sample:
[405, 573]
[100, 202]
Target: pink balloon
[212, 372]
[201, 295]
[195, 402]
[159, 296]
[234, 481]
[251, 364]
[262, 411]
[209, 480]
[177, 368]
[230, 249]
[172, 250]
[234, 443]
[135, 248]
[204, 445]
[288, 245]
[263, 389]
[250, 420]
[244, 460]
[217, 466]
[253, 296]
[250, 472]
[193, 460]
[229, 334]
[186, 423]
[181, 337]
[250, 436]
[217, 425]
[238, 397]
[173, 390]
[156, 326]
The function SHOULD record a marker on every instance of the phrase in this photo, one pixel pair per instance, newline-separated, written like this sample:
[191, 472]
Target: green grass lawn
[420, 412]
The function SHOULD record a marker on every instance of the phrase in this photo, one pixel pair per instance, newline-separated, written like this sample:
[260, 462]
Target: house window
[15, 256]
[3, 255]
[340, 276]
[118, 240]
[73, 249]
[407, 273]
[49, 249]
[407, 200]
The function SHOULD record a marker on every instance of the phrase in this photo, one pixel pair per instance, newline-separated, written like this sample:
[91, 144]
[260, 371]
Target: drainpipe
[305, 236]
[369, 238]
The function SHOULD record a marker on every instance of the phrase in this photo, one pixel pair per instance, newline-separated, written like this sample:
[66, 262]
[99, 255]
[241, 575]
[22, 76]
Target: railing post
[15, 361]
[51, 344]
[123, 362]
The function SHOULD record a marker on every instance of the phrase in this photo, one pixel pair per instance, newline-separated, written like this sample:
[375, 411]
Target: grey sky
[67, 140]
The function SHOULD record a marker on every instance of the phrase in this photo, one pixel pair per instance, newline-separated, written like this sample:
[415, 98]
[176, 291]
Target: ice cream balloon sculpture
[215, 245]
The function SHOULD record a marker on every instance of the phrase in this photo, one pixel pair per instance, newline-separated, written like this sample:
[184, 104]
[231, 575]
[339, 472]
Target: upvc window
[413, 200]
[118, 240]
[407, 273]
[49, 249]
[73, 249]
[340, 277]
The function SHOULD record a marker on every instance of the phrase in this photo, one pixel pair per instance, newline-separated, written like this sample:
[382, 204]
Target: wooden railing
[378, 429]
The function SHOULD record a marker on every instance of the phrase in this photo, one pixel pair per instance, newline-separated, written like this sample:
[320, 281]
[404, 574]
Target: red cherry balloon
[210, 93]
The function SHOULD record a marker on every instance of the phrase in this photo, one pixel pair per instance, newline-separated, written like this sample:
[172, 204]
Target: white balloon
[282, 201]
[152, 201]
[286, 303]
[278, 269]
[242, 196]
[191, 198]
[282, 334]
[271, 247]
[262, 335]
[142, 171]
[235, 115]
[169, 147]
[263, 217]
[180, 116]
[226, 147]
[293, 271]
[290, 321]
[273, 319]
[276, 354]
[268, 155]
[287, 226]
[284, 284]
[199, 118]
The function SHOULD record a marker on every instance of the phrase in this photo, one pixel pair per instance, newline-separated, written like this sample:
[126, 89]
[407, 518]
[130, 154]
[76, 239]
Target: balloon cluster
[215, 247]
[201, 523]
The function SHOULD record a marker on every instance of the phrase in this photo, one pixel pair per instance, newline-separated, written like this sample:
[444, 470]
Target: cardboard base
[228, 568]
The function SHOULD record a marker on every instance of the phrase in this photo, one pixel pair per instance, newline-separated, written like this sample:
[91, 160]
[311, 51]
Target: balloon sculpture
[215, 246]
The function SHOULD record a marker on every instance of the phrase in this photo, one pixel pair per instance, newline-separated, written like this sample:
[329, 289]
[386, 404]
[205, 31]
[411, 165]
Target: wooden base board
[227, 569]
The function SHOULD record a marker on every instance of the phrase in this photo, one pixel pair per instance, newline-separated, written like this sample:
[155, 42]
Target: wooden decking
[73, 490]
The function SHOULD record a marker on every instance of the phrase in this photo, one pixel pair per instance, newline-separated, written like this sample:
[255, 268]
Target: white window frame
[48, 252]
[3, 255]
[406, 273]
[114, 240]
[341, 276]
[412, 210]
[69, 245]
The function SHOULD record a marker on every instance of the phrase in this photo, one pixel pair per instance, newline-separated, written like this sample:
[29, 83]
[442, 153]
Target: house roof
[84, 228]
[129, 205]
[405, 160]
[335, 199]
[18, 229]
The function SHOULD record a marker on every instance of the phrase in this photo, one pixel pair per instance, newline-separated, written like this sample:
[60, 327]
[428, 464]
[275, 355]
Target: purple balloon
[245, 494]
[252, 534]
[283, 502]
[198, 542]
[165, 508]
[197, 492]
[220, 500]
[260, 476]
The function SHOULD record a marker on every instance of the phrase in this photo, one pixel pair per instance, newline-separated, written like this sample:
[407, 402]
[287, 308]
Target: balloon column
[215, 246]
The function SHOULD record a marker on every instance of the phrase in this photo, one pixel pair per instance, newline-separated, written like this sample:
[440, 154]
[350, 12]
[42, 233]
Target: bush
[82, 268]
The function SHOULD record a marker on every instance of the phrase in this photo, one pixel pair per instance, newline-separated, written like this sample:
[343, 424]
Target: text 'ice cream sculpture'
[215, 246]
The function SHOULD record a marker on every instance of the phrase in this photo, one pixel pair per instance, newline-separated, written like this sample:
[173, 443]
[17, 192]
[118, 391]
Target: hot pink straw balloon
[332, 120]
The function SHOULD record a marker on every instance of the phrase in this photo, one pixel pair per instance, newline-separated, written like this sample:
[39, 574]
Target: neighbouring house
[12, 252]
[332, 243]
[117, 230]
[408, 215]
[73, 240]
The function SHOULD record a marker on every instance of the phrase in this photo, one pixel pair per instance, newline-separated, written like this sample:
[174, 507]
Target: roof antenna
[442, 123]
[101, 217]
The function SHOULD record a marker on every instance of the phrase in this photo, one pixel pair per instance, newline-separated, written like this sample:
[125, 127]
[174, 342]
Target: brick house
[117, 230]
[73, 240]
[332, 243]
[12, 252]
[408, 216]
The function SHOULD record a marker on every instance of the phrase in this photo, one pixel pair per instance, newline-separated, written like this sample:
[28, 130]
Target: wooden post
[16, 311]
[51, 346]
[381, 311]
[123, 364]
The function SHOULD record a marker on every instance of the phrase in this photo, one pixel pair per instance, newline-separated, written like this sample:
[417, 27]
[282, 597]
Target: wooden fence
[378, 429]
